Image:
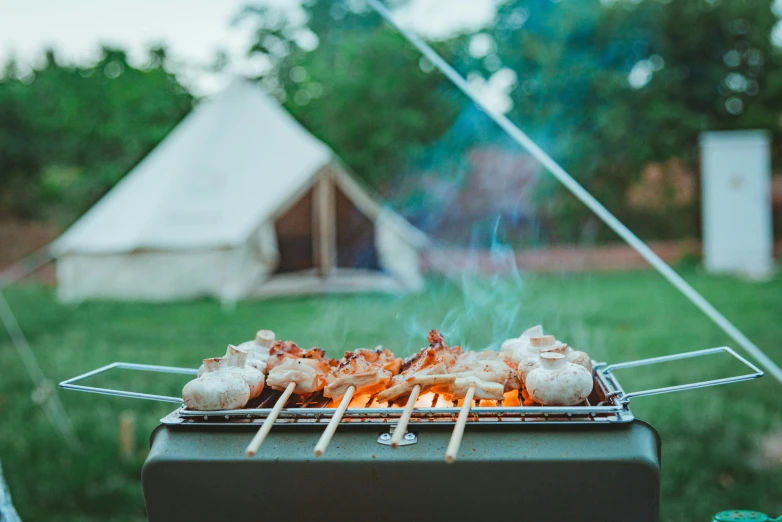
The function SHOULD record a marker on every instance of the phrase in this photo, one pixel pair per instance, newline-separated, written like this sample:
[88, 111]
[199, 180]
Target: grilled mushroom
[531, 358]
[572, 356]
[237, 364]
[557, 382]
[518, 347]
[216, 389]
[258, 349]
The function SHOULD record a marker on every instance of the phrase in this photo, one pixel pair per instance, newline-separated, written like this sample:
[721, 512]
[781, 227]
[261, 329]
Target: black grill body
[523, 471]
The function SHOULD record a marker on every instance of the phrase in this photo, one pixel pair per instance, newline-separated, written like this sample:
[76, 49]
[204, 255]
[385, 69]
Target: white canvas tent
[238, 201]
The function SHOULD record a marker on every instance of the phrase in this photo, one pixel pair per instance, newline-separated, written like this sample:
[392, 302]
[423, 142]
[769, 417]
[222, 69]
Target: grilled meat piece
[490, 373]
[283, 350]
[287, 347]
[427, 368]
[289, 363]
[368, 370]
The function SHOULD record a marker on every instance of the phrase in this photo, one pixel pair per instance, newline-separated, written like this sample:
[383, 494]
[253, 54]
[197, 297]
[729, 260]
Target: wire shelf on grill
[445, 416]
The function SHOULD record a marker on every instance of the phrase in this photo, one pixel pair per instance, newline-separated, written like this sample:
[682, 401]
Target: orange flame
[425, 401]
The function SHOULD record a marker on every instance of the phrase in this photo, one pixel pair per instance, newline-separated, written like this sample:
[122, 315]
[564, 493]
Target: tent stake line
[584, 196]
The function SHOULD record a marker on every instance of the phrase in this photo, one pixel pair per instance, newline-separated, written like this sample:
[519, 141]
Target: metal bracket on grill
[606, 372]
[407, 440]
[69, 383]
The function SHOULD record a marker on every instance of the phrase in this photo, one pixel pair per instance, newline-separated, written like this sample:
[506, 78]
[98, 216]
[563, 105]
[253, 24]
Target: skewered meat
[427, 368]
[289, 363]
[306, 373]
[379, 356]
[437, 368]
[285, 348]
[557, 382]
[490, 373]
[216, 389]
[367, 370]
[282, 350]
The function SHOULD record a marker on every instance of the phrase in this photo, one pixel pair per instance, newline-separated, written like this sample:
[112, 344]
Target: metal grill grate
[608, 403]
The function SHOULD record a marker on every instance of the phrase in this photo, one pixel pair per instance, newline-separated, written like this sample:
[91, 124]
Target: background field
[713, 440]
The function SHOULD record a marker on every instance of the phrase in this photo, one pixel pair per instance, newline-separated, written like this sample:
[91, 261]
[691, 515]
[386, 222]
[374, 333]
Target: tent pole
[26, 266]
[317, 236]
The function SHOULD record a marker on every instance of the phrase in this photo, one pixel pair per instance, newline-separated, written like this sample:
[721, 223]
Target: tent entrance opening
[355, 236]
[295, 238]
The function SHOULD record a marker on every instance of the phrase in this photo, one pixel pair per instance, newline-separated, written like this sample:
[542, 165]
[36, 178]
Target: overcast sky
[192, 29]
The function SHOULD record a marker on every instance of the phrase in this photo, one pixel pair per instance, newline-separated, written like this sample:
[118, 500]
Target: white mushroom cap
[556, 382]
[511, 345]
[216, 390]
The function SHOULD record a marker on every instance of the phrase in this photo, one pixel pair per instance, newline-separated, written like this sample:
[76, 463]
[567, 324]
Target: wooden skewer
[252, 448]
[401, 427]
[458, 429]
[323, 443]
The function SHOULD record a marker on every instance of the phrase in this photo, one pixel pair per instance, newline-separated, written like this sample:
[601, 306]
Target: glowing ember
[425, 401]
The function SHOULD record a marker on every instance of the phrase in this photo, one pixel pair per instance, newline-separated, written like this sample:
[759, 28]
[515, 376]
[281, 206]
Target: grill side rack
[608, 403]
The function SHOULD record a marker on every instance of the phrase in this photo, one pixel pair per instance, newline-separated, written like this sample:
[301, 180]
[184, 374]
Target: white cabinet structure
[736, 184]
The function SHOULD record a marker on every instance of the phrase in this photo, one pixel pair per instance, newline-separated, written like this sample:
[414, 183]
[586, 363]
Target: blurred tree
[69, 133]
[18, 159]
[609, 87]
[355, 83]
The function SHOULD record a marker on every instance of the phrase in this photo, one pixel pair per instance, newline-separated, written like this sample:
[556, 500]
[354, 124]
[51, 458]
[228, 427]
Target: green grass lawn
[712, 451]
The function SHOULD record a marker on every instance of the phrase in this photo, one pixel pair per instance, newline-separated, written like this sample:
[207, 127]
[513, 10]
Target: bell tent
[238, 201]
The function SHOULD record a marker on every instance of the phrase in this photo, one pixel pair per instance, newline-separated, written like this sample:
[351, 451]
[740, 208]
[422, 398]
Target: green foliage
[69, 133]
[696, 66]
[377, 107]
[606, 88]
[361, 90]
[706, 434]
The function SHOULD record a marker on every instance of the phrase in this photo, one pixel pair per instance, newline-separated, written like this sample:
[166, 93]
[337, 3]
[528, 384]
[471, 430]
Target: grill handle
[69, 384]
[606, 372]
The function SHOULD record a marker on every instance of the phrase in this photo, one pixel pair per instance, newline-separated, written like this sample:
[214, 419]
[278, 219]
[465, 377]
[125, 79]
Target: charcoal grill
[531, 463]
